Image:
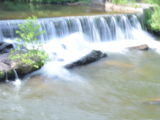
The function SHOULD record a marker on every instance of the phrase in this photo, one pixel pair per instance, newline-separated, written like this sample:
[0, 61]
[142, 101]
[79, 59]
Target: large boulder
[89, 58]
[8, 66]
[143, 47]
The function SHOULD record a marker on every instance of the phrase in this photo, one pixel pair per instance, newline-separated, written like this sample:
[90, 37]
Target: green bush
[29, 33]
[120, 1]
[153, 1]
[53, 1]
[154, 21]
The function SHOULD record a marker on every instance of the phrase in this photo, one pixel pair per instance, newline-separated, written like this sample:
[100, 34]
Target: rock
[8, 65]
[143, 47]
[5, 47]
[90, 58]
[152, 101]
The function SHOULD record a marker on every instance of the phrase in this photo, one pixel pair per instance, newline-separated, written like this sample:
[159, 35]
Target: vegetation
[152, 1]
[123, 1]
[1, 74]
[154, 21]
[51, 1]
[120, 1]
[29, 33]
[134, 1]
[153, 17]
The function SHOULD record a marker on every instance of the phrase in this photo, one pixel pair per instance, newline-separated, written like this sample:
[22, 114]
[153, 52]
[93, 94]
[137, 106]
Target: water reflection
[16, 10]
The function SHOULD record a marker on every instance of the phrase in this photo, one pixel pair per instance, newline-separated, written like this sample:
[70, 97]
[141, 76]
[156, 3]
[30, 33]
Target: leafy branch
[28, 32]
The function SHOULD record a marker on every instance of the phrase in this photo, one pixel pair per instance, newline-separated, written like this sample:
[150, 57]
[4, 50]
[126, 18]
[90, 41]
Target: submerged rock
[119, 64]
[143, 47]
[93, 56]
[152, 102]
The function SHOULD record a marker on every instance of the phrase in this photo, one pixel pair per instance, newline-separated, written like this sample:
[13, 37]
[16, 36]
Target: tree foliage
[120, 1]
[153, 1]
[154, 21]
[29, 32]
[154, 16]
[52, 1]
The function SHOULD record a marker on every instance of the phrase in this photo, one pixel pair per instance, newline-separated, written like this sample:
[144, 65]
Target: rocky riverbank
[8, 65]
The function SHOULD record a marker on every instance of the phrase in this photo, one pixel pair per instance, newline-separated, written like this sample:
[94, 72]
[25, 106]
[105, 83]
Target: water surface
[115, 88]
[16, 10]
[124, 86]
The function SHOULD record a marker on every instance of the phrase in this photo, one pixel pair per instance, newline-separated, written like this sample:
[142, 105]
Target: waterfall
[81, 30]
[17, 81]
[91, 29]
[95, 28]
[68, 38]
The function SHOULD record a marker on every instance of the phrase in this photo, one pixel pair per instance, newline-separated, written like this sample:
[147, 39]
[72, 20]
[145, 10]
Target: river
[20, 10]
[112, 89]
[123, 86]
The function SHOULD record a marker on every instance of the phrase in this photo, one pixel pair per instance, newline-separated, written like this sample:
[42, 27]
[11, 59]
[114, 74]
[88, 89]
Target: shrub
[153, 1]
[29, 33]
[153, 19]
[120, 1]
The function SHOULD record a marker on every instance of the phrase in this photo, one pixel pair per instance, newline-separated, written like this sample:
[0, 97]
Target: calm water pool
[14, 10]
[115, 88]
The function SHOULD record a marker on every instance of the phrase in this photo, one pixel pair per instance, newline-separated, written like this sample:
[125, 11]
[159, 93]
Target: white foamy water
[67, 39]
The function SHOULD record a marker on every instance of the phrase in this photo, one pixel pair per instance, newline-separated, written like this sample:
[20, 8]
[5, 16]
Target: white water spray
[17, 82]
[70, 38]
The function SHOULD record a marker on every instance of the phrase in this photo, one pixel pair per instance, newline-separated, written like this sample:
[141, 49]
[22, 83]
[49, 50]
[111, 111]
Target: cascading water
[95, 28]
[69, 38]
[17, 81]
